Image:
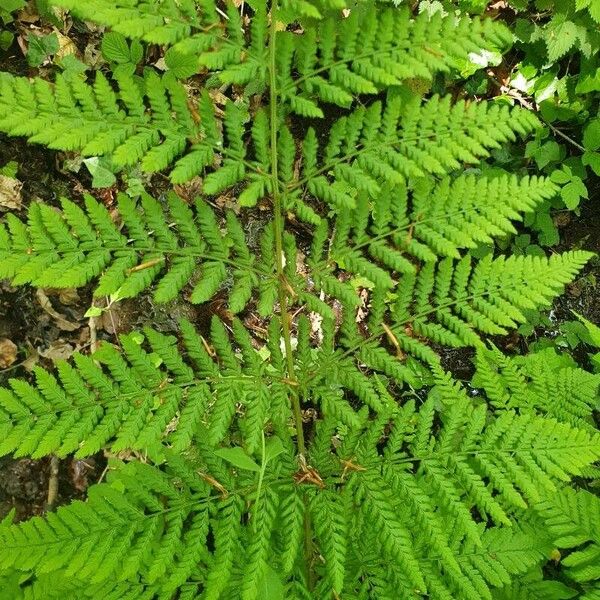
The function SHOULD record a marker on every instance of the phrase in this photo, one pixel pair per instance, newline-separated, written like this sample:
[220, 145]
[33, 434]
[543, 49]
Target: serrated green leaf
[40, 47]
[180, 64]
[12, 5]
[591, 135]
[560, 39]
[115, 47]
[573, 192]
[592, 160]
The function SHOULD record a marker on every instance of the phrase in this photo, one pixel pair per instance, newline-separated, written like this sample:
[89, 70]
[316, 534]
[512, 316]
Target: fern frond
[441, 220]
[368, 51]
[128, 401]
[572, 518]
[165, 22]
[110, 534]
[148, 121]
[97, 121]
[467, 468]
[542, 381]
[450, 301]
[405, 139]
[329, 517]
[167, 247]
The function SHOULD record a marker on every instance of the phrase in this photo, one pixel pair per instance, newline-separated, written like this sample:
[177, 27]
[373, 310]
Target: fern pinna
[326, 454]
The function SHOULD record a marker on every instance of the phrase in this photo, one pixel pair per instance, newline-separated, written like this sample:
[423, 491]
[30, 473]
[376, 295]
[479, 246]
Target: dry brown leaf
[60, 320]
[10, 193]
[58, 350]
[68, 296]
[8, 353]
[29, 14]
[161, 64]
[66, 45]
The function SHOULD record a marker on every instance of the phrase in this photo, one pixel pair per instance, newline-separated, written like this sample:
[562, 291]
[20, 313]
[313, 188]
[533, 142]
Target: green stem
[279, 228]
[282, 288]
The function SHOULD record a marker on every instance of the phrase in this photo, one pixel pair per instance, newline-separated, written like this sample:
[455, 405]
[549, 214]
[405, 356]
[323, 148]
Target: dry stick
[53, 483]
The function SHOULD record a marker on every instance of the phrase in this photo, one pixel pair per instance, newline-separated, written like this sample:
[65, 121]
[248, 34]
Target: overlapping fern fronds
[396, 250]
[157, 529]
[323, 453]
[151, 121]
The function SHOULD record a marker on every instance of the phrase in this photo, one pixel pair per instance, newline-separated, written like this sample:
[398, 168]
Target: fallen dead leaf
[29, 14]
[58, 350]
[61, 321]
[8, 353]
[68, 296]
[10, 193]
[66, 45]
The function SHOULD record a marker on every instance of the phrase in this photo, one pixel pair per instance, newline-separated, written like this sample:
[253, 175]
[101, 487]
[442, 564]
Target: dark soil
[24, 483]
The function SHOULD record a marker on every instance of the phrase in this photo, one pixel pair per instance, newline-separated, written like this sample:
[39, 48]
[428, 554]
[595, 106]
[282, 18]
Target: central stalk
[278, 233]
[279, 223]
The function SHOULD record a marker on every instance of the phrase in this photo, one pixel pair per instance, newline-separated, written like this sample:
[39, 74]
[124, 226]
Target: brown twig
[53, 482]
